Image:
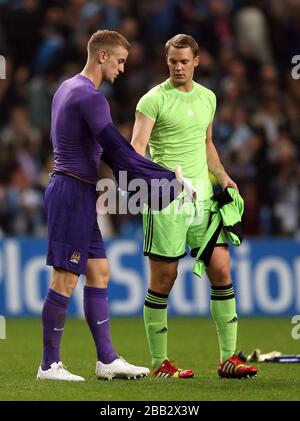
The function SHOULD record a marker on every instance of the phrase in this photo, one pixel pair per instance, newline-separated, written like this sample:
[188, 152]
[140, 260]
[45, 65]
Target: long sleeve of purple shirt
[82, 132]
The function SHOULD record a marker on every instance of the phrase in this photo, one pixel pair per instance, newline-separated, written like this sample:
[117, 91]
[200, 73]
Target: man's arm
[214, 163]
[141, 132]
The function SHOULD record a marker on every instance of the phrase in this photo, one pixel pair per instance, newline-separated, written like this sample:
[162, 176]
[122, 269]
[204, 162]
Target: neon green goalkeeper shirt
[179, 134]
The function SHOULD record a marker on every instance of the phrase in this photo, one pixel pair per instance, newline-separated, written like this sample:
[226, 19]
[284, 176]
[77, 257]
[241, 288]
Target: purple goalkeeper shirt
[79, 113]
[82, 129]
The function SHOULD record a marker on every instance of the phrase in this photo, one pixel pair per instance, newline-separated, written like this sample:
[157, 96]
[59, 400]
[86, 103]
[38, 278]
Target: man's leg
[223, 310]
[165, 240]
[96, 310]
[223, 305]
[70, 206]
[162, 277]
[54, 314]
[53, 318]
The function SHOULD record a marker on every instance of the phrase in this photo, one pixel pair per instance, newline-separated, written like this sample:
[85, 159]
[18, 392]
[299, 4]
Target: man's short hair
[107, 40]
[183, 41]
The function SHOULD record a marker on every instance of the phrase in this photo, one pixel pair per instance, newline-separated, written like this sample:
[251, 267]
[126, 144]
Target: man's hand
[225, 181]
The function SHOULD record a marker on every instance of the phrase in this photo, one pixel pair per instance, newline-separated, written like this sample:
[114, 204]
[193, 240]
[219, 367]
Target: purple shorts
[73, 232]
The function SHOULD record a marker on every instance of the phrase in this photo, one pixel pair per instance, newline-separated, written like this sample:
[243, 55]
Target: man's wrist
[220, 174]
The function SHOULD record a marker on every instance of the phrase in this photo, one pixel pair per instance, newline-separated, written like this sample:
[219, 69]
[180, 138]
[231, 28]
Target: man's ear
[102, 56]
[196, 61]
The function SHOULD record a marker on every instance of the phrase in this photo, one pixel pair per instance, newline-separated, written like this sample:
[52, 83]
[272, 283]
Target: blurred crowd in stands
[246, 59]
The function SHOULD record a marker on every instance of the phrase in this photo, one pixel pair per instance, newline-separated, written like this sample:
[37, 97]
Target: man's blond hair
[183, 41]
[107, 40]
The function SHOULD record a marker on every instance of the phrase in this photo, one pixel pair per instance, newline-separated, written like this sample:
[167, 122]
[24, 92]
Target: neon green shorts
[166, 233]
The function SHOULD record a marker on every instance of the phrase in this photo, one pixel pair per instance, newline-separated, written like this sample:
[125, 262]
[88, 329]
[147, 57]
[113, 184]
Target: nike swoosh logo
[102, 321]
[57, 329]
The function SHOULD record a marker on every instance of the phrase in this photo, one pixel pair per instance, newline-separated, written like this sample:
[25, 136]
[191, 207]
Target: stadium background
[246, 59]
[246, 53]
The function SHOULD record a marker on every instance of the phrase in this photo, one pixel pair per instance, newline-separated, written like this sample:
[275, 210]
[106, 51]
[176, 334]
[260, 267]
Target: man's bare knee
[164, 282]
[220, 276]
[163, 275]
[63, 282]
[99, 281]
[97, 273]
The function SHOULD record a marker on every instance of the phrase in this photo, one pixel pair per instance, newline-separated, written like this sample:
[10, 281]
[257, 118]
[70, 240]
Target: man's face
[181, 63]
[114, 63]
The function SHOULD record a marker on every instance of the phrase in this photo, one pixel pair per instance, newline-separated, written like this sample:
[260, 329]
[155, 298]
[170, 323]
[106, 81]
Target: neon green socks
[223, 310]
[156, 326]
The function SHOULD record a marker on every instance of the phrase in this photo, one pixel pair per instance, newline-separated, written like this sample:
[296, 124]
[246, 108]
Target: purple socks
[53, 317]
[97, 315]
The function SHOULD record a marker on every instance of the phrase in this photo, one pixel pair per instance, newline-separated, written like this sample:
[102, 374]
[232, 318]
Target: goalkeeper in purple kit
[82, 132]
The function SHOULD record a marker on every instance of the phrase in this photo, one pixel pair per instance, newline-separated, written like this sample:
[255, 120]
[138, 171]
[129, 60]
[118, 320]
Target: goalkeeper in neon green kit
[175, 118]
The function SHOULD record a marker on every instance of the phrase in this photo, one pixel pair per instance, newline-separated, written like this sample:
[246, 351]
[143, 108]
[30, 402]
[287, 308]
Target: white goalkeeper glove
[191, 193]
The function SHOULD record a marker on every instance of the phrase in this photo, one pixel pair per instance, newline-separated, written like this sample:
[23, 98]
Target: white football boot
[120, 369]
[57, 372]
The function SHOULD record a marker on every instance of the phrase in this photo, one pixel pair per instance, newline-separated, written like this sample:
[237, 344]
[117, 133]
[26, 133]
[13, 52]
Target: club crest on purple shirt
[75, 257]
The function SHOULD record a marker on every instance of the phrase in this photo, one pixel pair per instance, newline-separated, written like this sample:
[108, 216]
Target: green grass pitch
[192, 344]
